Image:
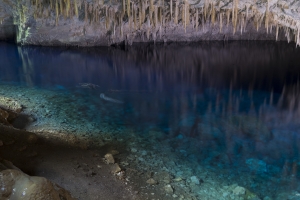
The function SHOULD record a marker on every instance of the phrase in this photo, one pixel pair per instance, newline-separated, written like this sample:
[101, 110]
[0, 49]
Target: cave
[149, 99]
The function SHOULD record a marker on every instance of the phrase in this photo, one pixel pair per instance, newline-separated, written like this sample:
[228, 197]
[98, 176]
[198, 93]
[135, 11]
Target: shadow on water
[232, 105]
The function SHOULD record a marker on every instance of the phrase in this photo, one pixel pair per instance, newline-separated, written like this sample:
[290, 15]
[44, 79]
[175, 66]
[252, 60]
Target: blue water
[232, 106]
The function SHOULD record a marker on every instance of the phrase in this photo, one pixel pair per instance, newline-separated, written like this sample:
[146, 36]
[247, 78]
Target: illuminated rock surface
[90, 23]
[14, 184]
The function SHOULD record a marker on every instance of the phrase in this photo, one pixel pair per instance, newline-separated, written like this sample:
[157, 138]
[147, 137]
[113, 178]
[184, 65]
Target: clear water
[225, 115]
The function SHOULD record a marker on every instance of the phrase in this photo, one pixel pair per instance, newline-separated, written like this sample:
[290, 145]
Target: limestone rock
[169, 189]
[115, 168]
[109, 159]
[17, 185]
[78, 25]
[238, 190]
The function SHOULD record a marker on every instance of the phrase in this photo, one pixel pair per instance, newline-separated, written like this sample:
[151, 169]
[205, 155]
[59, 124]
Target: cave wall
[107, 22]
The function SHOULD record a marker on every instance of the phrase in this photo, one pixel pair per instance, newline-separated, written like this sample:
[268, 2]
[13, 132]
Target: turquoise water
[226, 115]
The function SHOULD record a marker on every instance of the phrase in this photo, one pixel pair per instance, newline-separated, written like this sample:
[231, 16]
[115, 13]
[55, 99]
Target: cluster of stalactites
[151, 15]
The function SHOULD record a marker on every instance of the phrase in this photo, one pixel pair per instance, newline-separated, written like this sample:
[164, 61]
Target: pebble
[109, 159]
[116, 168]
[168, 188]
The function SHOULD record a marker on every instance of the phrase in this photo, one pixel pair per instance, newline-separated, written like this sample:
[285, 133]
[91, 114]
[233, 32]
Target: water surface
[225, 114]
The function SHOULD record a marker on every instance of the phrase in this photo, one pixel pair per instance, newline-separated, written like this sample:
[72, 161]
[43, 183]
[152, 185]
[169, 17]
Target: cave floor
[69, 151]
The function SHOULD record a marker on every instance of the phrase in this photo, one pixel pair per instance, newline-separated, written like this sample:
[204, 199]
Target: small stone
[195, 180]
[1, 143]
[168, 188]
[151, 181]
[177, 179]
[174, 195]
[133, 150]
[239, 190]
[116, 168]
[109, 159]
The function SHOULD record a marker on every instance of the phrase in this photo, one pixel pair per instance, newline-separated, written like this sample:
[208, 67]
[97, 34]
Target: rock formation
[14, 184]
[107, 22]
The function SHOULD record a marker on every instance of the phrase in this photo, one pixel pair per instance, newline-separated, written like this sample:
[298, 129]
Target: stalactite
[176, 13]
[197, 18]
[221, 21]
[76, 8]
[213, 14]
[171, 9]
[121, 24]
[184, 10]
[68, 8]
[205, 9]
[267, 17]
[242, 23]
[151, 10]
[187, 9]
[143, 9]
[160, 15]
[106, 18]
[128, 8]
[148, 28]
[140, 17]
[155, 16]
[134, 18]
[56, 9]
[61, 7]
[85, 11]
[228, 16]
[124, 6]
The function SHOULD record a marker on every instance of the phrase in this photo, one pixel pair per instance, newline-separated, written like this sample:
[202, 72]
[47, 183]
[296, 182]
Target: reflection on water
[229, 106]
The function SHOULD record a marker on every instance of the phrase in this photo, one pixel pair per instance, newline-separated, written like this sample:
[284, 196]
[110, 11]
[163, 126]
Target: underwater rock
[258, 166]
[238, 190]
[151, 181]
[195, 180]
[115, 168]
[17, 185]
[10, 104]
[109, 159]
[169, 189]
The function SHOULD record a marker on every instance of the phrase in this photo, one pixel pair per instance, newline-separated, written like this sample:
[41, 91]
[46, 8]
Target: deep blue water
[239, 99]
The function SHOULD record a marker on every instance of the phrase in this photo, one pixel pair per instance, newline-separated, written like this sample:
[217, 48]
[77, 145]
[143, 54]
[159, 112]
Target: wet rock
[151, 181]
[10, 104]
[115, 168]
[195, 180]
[169, 189]
[109, 159]
[17, 185]
[239, 190]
